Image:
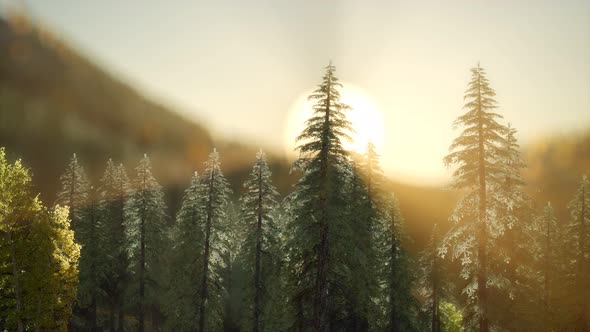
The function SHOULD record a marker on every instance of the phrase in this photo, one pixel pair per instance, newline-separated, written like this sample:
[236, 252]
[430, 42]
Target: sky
[243, 67]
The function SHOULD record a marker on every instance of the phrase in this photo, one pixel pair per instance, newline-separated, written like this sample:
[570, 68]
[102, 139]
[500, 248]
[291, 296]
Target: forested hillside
[54, 102]
[145, 222]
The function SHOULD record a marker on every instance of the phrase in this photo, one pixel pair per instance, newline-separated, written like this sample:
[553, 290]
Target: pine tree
[433, 285]
[318, 229]
[579, 245]
[188, 240]
[361, 259]
[114, 194]
[216, 200]
[511, 262]
[261, 245]
[397, 278]
[231, 271]
[75, 194]
[146, 228]
[475, 152]
[365, 207]
[74, 191]
[91, 264]
[551, 267]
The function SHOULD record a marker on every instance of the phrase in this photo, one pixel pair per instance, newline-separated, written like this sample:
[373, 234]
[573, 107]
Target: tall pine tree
[365, 208]
[91, 265]
[214, 245]
[434, 286]
[114, 194]
[511, 263]
[182, 298]
[74, 194]
[146, 228]
[400, 307]
[261, 245]
[550, 254]
[475, 152]
[74, 191]
[319, 230]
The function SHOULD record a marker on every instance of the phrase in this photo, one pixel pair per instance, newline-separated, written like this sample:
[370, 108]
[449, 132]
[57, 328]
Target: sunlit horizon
[240, 80]
[187, 166]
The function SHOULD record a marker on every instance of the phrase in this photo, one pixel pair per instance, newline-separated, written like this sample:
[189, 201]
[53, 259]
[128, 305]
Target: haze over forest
[227, 124]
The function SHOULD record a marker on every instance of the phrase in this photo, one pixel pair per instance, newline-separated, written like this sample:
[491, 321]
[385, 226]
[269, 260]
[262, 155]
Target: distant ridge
[54, 102]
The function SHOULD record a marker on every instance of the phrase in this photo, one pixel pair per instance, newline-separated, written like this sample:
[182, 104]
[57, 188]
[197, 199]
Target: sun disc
[366, 120]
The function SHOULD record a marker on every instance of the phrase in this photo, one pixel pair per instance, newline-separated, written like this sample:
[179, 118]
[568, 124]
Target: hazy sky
[240, 66]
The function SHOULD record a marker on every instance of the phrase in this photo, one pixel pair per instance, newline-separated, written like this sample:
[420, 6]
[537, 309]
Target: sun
[366, 119]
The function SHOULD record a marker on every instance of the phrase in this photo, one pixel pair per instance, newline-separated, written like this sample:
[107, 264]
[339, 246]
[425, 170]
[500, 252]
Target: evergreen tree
[187, 262]
[579, 245]
[91, 265]
[361, 259]
[74, 194]
[319, 231]
[551, 267]
[231, 271]
[74, 191]
[365, 208]
[38, 256]
[114, 195]
[511, 263]
[433, 284]
[475, 152]
[261, 245]
[146, 228]
[214, 245]
[397, 278]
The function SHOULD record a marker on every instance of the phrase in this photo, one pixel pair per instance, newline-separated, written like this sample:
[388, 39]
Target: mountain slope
[54, 102]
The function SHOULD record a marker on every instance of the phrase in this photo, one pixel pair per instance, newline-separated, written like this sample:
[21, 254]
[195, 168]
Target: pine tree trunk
[74, 221]
[323, 252]
[93, 238]
[142, 262]
[546, 274]
[392, 315]
[482, 277]
[321, 298]
[583, 267]
[93, 326]
[435, 305]
[112, 318]
[364, 319]
[204, 280]
[37, 328]
[16, 280]
[120, 313]
[120, 283]
[257, 276]
[300, 316]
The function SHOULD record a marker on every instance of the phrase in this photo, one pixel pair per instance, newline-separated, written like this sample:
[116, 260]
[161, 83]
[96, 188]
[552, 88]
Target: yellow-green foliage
[451, 317]
[38, 256]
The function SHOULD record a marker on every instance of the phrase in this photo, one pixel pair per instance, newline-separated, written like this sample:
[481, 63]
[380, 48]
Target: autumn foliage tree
[38, 256]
